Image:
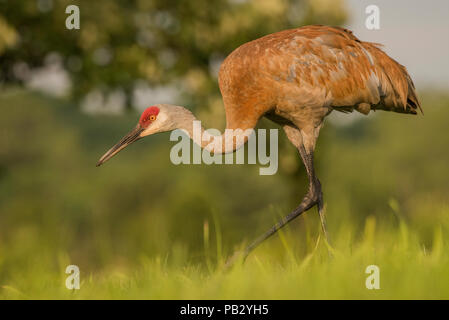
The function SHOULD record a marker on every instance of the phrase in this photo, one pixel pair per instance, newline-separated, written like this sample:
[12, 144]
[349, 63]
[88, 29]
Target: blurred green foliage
[135, 226]
[171, 42]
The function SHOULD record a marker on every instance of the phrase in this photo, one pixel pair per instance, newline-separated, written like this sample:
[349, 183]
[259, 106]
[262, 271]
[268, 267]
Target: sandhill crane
[295, 78]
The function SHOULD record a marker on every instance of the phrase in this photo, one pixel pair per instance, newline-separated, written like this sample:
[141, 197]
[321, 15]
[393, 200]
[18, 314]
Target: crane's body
[295, 78]
[305, 73]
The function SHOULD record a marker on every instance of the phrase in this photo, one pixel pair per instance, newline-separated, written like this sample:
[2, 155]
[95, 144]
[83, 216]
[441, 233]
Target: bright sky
[413, 32]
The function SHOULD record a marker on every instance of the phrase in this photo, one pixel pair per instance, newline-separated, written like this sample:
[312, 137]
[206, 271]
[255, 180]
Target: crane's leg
[304, 140]
[314, 187]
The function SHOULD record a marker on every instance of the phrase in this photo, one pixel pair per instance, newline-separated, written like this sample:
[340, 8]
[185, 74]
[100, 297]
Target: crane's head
[154, 119]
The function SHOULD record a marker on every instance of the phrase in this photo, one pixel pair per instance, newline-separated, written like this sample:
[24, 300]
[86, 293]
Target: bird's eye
[152, 117]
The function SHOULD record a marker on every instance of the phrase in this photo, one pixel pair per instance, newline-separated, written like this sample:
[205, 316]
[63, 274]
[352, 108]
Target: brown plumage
[295, 78]
[317, 67]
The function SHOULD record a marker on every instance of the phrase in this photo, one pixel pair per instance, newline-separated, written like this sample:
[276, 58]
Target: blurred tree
[155, 42]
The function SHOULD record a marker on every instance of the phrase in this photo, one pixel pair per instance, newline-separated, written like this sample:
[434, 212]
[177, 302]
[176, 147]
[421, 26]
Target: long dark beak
[132, 136]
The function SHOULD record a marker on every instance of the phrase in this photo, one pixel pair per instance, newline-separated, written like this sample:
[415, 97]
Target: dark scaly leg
[304, 140]
[315, 188]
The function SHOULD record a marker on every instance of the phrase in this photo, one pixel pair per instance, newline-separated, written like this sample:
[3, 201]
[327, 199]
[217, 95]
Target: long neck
[229, 141]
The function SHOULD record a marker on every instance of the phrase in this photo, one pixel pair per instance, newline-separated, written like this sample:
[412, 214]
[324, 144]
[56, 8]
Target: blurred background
[66, 96]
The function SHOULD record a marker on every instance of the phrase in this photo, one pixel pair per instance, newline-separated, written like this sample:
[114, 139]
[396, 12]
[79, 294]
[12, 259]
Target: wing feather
[352, 71]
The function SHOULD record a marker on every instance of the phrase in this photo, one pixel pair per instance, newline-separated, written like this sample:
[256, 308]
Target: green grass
[408, 270]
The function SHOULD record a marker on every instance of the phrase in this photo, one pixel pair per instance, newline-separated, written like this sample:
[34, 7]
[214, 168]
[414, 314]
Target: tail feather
[396, 84]
[412, 98]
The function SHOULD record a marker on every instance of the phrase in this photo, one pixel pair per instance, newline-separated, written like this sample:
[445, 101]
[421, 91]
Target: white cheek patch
[156, 126]
[161, 118]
